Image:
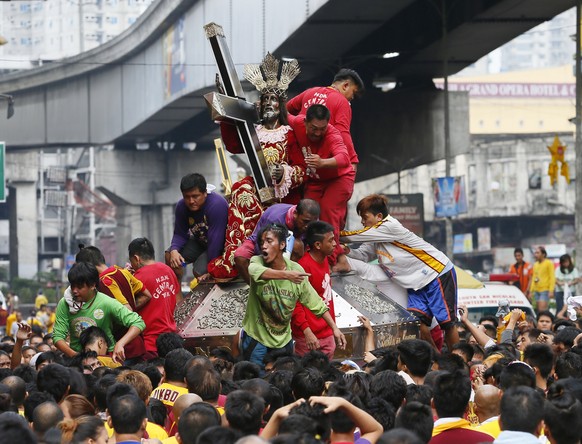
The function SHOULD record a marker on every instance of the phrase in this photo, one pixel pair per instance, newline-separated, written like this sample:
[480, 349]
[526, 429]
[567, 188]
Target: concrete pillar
[522, 179]
[483, 186]
[26, 229]
[22, 178]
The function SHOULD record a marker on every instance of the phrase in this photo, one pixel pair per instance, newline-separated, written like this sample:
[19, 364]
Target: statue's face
[270, 107]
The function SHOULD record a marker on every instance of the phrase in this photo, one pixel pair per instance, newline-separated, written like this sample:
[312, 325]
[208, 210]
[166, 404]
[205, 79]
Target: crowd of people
[112, 369]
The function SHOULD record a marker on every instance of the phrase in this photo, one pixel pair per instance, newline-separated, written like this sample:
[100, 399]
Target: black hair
[416, 355]
[517, 373]
[13, 428]
[83, 273]
[315, 232]
[315, 412]
[219, 435]
[570, 267]
[297, 424]
[540, 356]
[568, 365]
[451, 394]
[278, 230]
[566, 336]
[54, 379]
[151, 371]
[101, 388]
[204, 382]
[270, 394]
[5, 372]
[389, 386]
[292, 363]
[92, 334]
[546, 313]
[77, 383]
[466, 349]
[126, 410]
[419, 393]
[416, 417]
[193, 180]
[560, 413]
[245, 370]
[518, 250]
[26, 372]
[222, 353]
[156, 411]
[47, 415]
[33, 400]
[315, 359]
[451, 362]
[522, 409]
[244, 411]
[317, 112]
[400, 436]
[168, 341]
[490, 318]
[340, 421]
[91, 255]
[382, 411]
[350, 74]
[307, 383]
[281, 379]
[142, 247]
[175, 364]
[309, 207]
[17, 389]
[195, 419]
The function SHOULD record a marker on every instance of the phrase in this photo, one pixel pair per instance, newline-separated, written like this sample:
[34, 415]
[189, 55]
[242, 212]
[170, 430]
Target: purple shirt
[207, 225]
[276, 214]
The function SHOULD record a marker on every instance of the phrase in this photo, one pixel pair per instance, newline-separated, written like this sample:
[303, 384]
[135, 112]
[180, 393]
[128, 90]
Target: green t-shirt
[101, 312]
[271, 304]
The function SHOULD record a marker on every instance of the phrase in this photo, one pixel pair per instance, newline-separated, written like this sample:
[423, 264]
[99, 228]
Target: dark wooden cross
[232, 106]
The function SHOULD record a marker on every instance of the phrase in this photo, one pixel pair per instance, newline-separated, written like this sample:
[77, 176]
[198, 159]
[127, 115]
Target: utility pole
[578, 147]
[448, 220]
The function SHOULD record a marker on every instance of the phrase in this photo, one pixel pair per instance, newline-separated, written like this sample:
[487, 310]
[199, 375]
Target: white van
[485, 300]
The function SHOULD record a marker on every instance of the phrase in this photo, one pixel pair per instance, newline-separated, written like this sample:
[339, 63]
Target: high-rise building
[547, 45]
[38, 31]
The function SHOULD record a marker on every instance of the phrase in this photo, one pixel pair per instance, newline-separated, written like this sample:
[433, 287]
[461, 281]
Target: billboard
[408, 209]
[174, 52]
[450, 196]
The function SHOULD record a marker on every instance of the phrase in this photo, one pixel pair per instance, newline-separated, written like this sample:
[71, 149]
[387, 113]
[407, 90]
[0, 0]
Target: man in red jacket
[346, 85]
[330, 174]
[309, 331]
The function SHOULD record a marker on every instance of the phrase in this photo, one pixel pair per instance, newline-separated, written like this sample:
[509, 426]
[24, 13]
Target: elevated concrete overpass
[144, 89]
[146, 85]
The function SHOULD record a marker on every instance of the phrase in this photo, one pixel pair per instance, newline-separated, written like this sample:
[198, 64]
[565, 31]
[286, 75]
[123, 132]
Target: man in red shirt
[309, 331]
[331, 177]
[162, 283]
[337, 97]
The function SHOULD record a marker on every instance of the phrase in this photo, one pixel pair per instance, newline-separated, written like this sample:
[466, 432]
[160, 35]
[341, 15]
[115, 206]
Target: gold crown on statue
[264, 76]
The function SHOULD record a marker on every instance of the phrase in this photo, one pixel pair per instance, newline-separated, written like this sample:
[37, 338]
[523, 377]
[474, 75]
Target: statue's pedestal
[211, 315]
